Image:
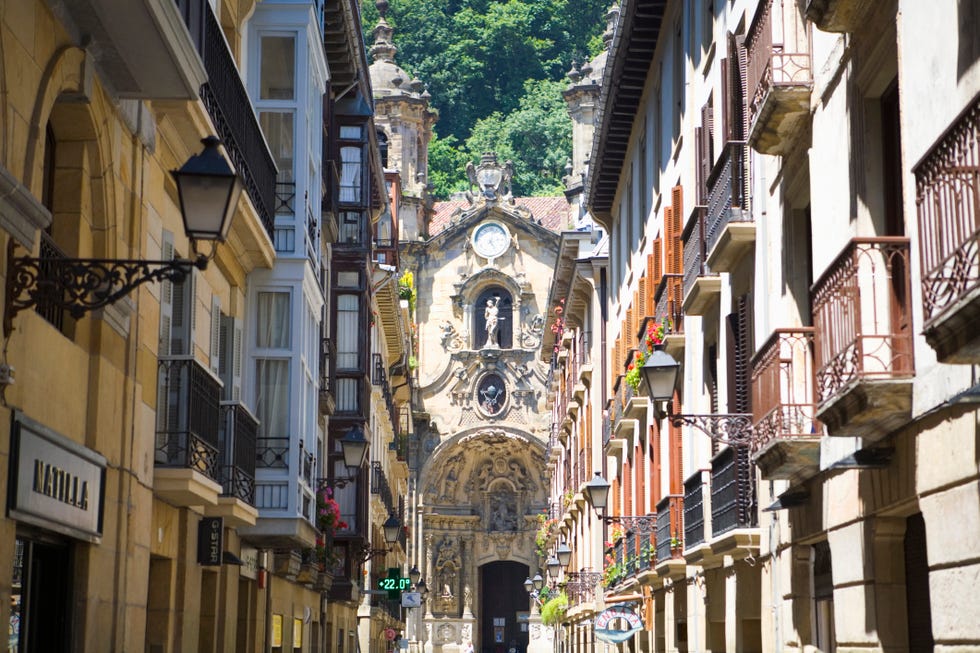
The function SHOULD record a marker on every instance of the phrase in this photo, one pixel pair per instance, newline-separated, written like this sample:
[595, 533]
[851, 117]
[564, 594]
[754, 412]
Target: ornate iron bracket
[734, 429]
[641, 524]
[365, 552]
[82, 285]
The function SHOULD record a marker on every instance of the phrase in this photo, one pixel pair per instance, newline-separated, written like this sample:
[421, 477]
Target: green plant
[612, 573]
[553, 610]
[655, 336]
[547, 530]
[406, 289]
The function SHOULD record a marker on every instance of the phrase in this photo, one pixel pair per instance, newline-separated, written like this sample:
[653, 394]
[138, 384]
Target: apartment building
[784, 184]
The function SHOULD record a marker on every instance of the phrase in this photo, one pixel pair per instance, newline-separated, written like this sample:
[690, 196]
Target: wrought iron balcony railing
[581, 585]
[670, 302]
[226, 100]
[380, 486]
[188, 416]
[236, 440]
[272, 452]
[694, 510]
[784, 408]
[733, 491]
[670, 527]
[947, 188]
[727, 193]
[862, 317]
[778, 75]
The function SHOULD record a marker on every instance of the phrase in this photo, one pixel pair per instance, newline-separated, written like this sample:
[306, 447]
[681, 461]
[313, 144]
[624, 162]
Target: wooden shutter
[740, 346]
[166, 298]
[726, 98]
[657, 262]
[642, 303]
[230, 364]
[674, 218]
[739, 90]
[707, 155]
[215, 334]
[669, 237]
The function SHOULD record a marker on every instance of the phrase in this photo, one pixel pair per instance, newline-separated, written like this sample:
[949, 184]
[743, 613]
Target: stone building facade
[480, 469]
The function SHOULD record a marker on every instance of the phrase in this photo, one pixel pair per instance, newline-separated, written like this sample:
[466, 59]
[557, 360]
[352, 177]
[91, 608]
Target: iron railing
[783, 387]
[236, 440]
[733, 495]
[272, 453]
[727, 192]
[695, 254]
[226, 100]
[54, 314]
[331, 186]
[581, 585]
[286, 198]
[670, 302]
[778, 52]
[188, 416]
[862, 317]
[948, 201]
[380, 486]
[669, 526]
[693, 510]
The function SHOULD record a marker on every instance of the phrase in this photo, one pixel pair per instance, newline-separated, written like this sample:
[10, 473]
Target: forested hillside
[495, 69]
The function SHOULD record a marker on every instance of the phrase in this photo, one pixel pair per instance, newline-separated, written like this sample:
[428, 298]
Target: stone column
[468, 559]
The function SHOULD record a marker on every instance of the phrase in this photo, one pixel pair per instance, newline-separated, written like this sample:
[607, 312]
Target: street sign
[411, 599]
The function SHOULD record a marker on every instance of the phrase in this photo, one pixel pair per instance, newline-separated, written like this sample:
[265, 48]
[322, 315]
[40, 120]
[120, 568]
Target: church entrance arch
[504, 607]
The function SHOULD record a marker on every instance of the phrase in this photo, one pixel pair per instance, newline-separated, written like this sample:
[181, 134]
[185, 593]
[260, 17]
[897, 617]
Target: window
[348, 332]
[272, 397]
[350, 174]
[350, 228]
[823, 599]
[278, 68]
[278, 129]
[273, 323]
[383, 147]
[177, 304]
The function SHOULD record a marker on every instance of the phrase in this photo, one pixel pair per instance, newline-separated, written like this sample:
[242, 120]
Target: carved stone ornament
[492, 180]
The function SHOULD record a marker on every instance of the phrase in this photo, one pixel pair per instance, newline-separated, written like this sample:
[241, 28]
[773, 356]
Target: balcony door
[894, 224]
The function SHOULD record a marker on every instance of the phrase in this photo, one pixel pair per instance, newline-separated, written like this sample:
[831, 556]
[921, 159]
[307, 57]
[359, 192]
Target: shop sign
[55, 483]
[250, 562]
[210, 540]
[617, 623]
[275, 636]
[297, 633]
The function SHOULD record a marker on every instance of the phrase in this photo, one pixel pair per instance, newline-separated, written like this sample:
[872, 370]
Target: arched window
[494, 309]
[383, 147]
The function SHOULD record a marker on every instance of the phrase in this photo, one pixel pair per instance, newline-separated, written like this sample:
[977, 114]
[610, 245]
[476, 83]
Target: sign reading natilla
[56, 483]
[60, 484]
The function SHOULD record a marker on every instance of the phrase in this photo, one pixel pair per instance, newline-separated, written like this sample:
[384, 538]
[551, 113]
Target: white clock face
[491, 240]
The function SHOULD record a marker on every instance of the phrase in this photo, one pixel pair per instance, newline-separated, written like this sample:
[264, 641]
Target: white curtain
[272, 397]
[347, 331]
[272, 330]
[350, 174]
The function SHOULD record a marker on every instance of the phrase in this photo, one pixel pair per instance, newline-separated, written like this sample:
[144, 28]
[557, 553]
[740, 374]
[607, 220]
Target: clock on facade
[491, 239]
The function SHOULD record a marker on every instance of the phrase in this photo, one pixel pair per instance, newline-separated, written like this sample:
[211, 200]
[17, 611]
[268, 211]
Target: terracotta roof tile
[551, 212]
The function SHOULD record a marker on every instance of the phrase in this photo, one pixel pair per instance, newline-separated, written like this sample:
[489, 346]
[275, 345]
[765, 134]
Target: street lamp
[659, 373]
[392, 528]
[553, 567]
[596, 492]
[564, 554]
[354, 445]
[208, 191]
[537, 581]
[414, 575]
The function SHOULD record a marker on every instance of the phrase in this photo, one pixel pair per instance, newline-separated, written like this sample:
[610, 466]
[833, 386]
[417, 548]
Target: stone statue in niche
[447, 566]
[490, 313]
[531, 334]
[503, 516]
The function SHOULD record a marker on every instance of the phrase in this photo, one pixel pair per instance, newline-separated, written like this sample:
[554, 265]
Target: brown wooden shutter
[700, 178]
[726, 98]
[707, 143]
[675, 261]
[641, 296]
[740, 92]
[656, 262]
[740, 345]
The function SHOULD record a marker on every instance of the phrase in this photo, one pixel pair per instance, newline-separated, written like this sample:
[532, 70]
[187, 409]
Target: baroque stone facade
[481, 487]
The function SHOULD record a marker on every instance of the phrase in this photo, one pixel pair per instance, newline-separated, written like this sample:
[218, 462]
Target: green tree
[536, 138]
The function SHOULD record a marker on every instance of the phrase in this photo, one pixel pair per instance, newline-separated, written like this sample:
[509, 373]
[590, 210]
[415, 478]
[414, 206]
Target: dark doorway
[39, 619]
[502, 597]
[918, 603]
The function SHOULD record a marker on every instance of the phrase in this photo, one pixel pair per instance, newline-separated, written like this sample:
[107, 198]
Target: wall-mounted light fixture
[596, 493]
[208, 191]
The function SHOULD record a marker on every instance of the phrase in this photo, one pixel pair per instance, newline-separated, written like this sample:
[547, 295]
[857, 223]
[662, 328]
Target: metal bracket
[734, 429]
[641, 524]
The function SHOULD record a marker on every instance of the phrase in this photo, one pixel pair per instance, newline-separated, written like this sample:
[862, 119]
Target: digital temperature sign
[394, 584]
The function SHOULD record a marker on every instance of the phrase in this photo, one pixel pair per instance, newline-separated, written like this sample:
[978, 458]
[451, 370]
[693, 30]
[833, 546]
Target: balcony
[785, 432]
[702, 286]
[670, 531]
[228, 104]
[144, 49]
[694, 511]
[236, 439]
[863, 339]
[187, 457]
[669, 299]
[779, 77]
[581, 586]
[734, 506]
[328, 206]
[947, 188]
[729, 230]
[836, 15]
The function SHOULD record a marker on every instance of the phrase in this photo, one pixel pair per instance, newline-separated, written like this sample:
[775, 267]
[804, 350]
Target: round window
[491, 394]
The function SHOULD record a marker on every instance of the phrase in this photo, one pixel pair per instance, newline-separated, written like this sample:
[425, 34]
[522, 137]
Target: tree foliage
[484, 60]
